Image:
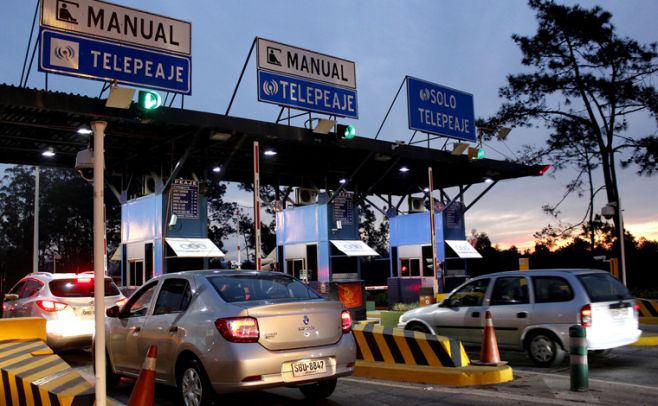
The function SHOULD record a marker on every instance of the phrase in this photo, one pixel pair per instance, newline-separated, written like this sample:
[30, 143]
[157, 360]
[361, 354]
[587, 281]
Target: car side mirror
[113, 311]
[10, 297]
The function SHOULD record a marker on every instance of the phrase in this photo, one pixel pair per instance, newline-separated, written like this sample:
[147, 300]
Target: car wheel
[193, 385]
[544, 349]
[417, 327]
[319, 390]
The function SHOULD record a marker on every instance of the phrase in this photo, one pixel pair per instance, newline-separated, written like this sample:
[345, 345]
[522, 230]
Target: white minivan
[533, 310]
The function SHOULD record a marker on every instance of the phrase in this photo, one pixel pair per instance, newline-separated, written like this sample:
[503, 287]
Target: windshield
[237, 288]
[81, 287]
[602, 287]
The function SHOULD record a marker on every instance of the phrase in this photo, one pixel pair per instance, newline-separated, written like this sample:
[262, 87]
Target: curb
[461, 376]
[646, 340]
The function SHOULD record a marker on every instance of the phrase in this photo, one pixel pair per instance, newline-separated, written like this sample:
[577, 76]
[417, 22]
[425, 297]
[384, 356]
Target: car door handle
[173, 329]
[475, 314]
[522, 315]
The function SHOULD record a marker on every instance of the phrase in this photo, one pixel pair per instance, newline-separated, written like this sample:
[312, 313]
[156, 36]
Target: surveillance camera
[84, 164]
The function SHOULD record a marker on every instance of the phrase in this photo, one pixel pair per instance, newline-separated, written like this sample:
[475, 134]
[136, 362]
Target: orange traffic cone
[489, 354]
[143, 392]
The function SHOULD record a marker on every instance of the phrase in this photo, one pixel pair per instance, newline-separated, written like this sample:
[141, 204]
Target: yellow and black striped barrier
[648, 308]
[33, 375]
[396, 346]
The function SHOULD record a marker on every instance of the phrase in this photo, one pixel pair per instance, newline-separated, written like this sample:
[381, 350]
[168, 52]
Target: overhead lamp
[503, 133]
[120, 97]
[270, 152]
[404, 169]
[488, 180]
[342, 181]
[48, 153]
[217, 169]
[458, 148]
[324, 126]
[426, 190]
[84, 130]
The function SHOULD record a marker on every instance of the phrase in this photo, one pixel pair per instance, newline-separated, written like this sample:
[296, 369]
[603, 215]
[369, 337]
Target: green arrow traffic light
[345, 132]
[149, 100]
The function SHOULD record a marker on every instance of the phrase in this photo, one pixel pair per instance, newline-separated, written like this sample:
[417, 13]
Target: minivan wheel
[194, 386]
[319, 390]
[544, 350]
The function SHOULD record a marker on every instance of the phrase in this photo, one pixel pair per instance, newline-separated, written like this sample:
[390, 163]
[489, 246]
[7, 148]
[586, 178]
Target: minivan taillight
[346, 321]
[586, 316]
[51, 306]
[238, 329]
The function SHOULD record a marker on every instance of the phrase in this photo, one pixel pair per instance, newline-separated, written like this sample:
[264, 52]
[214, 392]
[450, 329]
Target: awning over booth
[354, 248]
[463, 248]
[194, 248]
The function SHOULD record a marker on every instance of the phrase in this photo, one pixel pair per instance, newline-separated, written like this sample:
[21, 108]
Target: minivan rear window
[83, 287]
[602, 287]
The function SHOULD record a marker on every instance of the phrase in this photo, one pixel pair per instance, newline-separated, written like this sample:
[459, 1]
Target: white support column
[257, 202]
[99, 264]
[35, 239]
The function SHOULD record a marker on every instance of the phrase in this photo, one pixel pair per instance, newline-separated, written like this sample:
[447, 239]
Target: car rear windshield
[237, 288]
[82, 287]
[602, 287]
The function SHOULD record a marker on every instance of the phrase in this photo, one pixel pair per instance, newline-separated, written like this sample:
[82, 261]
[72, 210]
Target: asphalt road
[624, 375]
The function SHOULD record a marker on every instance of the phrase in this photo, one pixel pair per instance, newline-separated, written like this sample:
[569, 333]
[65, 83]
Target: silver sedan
[229, 331]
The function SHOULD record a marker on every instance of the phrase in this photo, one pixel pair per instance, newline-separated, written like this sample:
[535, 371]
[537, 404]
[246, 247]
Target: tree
[373, 235]
[584, 84]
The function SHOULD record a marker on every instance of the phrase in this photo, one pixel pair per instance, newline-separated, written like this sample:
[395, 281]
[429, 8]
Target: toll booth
[319, 243]
[164, 233]
[411, 252]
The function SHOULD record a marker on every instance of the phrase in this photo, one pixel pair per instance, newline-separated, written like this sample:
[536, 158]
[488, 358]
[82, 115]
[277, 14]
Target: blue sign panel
[440, 110]
[306, 95]
[76, 55]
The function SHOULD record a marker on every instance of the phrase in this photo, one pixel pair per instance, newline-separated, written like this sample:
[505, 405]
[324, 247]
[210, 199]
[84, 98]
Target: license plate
[618, 314]
[88, 311]
[309, 367]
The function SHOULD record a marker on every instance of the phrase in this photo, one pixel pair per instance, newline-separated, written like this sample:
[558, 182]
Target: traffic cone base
[143, 393]
[489, 355]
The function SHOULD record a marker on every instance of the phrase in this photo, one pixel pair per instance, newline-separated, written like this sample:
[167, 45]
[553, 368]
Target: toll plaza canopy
[141, 142]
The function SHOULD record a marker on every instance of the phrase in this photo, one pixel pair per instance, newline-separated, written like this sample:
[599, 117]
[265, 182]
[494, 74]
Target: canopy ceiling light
[217, 169]
[458, 148]
[404, 169]
[84, 130]
[120, 97]
[270, 152]
[324, 126]
[48, 153]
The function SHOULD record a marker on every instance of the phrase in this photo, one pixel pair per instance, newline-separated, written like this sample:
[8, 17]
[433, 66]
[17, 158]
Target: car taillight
[346, 321]
[51, 306]
[586, 316]
[239, 329]
[84, 280]
[636, 308]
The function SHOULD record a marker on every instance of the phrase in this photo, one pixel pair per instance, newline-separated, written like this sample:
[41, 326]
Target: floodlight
[324, 126]
[120, 97]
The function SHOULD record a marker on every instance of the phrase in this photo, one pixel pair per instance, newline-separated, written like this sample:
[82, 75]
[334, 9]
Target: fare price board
[343, 208]
[185, 198]
[440, 110]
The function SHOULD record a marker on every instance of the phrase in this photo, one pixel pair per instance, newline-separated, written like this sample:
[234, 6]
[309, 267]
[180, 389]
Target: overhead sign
[354, 248]
[440, 110]
[463, 249]
[123, 24]
[76, 55]
[310, 65]
[306, 95]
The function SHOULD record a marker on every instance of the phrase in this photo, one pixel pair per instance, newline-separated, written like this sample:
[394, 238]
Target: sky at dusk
[464, 45]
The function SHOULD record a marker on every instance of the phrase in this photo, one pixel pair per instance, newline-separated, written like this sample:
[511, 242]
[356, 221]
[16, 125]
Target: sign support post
[257, 203]
[435, 267]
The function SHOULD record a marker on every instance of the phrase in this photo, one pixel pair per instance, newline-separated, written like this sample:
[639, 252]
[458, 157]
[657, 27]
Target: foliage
[373, 235]
[584, 83]
[403, 307]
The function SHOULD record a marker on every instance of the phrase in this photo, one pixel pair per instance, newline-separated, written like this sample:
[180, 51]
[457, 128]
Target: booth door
[294, 266]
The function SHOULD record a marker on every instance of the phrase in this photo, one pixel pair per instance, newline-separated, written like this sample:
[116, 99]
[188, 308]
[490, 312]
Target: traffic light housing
[475, 153]
[149, 100]
[345, 132]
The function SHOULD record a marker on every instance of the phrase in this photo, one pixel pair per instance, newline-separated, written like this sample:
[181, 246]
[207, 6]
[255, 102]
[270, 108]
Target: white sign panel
[119, 23]
[463, 248]
[194, 248]
[354, 248]
[289, 60]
